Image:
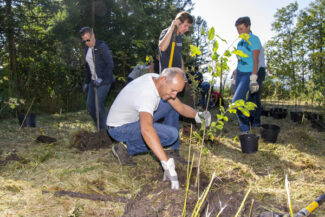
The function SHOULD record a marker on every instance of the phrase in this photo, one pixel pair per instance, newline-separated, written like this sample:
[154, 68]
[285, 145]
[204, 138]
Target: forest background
[41, 51]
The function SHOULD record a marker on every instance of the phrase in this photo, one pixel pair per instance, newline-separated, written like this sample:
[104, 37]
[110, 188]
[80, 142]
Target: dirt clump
[11, 157]
[84, 140]
[45, 139]
[159, 199]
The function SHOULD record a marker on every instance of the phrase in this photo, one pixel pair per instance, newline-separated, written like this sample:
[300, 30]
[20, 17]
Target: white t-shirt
[89, 59]
[140, 95]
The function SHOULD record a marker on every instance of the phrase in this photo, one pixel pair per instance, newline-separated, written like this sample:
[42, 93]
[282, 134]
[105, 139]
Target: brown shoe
[120, 152]
[174, 153]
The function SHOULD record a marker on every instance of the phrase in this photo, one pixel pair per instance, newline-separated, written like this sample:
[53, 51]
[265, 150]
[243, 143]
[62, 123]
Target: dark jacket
[103, 63]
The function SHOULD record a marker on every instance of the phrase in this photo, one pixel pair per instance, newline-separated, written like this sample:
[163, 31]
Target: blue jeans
[205, 87]
[167, 132]
[91, 105]
[242, 86]
[255, 116]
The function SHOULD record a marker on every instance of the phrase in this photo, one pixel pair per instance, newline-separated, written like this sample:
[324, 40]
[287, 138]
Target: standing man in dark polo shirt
[182, 23]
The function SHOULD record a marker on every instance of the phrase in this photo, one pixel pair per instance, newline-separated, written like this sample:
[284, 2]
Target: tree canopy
[295, 55]
[41, 54]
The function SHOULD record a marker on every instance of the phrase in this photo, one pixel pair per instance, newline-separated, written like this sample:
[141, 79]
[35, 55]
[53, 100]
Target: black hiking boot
[174, 153]
[120, 152]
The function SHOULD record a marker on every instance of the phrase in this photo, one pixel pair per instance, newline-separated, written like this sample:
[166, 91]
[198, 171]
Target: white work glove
[98, 82]
[200, 116]
[253, 85]
[233, 86]
[170, 173]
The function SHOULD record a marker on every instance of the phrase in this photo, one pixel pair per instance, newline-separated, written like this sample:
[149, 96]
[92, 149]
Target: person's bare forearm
[255, 68]
[182, 109]
[255, 60]
[151, 137]
[164, 43]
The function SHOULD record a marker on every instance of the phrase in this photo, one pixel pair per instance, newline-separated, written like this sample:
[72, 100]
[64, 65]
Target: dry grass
[299, 152]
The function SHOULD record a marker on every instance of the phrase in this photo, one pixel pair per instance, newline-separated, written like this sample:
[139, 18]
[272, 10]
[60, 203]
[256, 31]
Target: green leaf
[214, 57]
[225, 118]
[213, 124]
[244, 111]
[211, 34]
[240, 102]
[210, 68]
[239, 53]
[205, 150]
[227, 53]
[219, 127]
[220, 116]
[219, 69]
[202, 125]
[197, 136]
[232, 111]
[211, 136]
[250, 106]
[221, 123]
[195, 50]
[202, 30]
[245, 37]
[215, 46]
[216, 74]
[121, 78]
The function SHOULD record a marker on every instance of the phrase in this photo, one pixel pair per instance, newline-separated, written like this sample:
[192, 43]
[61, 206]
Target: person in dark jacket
[99, 74]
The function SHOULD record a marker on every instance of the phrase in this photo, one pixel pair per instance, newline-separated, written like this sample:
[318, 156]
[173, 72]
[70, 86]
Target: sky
[222, 14]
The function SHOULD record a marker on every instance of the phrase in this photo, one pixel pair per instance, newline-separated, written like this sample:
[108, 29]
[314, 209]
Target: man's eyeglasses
[84, 41]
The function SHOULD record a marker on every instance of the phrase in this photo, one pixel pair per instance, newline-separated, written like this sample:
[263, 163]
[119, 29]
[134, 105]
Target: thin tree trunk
[322, 57]
[10, 35]
[93, 13]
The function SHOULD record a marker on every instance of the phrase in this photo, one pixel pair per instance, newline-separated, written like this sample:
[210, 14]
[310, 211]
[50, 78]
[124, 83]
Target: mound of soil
[84, 141]
[12, 157]
[45, 139]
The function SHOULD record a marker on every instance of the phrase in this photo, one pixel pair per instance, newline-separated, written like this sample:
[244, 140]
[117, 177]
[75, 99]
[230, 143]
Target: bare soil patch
[84, 140]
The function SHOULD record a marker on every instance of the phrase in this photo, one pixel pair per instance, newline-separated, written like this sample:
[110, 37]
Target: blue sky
[222, 14]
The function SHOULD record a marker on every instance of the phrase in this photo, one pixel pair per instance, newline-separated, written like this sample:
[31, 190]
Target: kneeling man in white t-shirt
[132, 119]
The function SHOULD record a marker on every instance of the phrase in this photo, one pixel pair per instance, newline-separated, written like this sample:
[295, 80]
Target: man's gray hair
[170, 73]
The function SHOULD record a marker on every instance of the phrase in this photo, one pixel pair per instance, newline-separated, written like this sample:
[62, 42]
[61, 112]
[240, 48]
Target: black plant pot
[317, 117]
[265, 113]
[30, 120]
[296, 117]
[271, 112]
[318, 125]
[269, 132]
[249, 143]
[308, 115]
